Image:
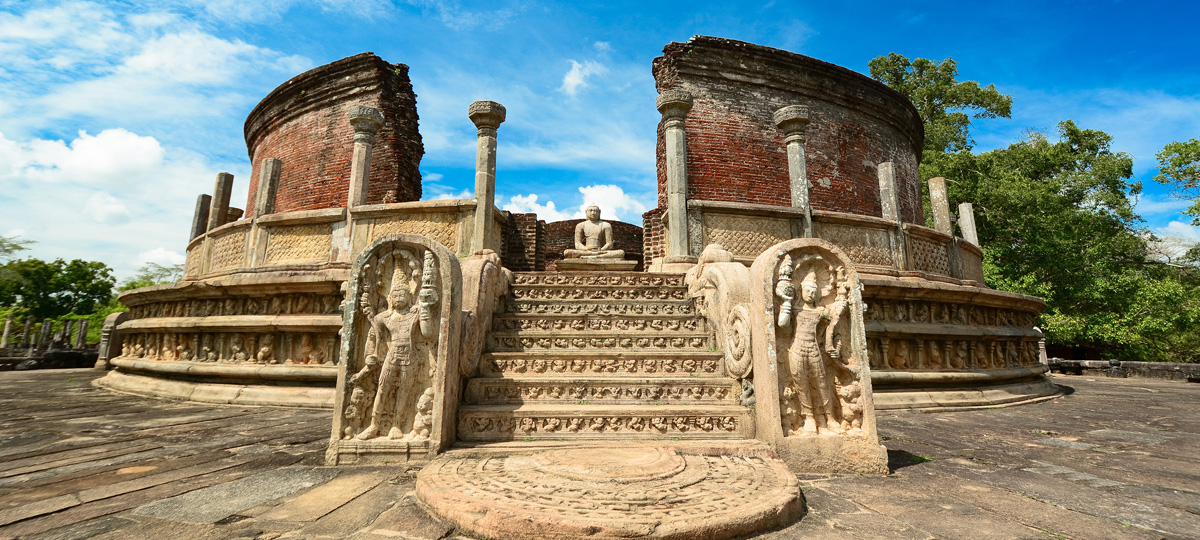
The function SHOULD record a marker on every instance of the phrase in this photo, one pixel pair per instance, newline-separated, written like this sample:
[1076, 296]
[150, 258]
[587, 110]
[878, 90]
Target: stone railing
[876, 246]
[316, 240]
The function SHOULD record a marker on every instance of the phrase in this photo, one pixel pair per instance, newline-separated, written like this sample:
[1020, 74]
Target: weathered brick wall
[560, 236]
[305, 123]
[736, 153]
[521, 251]
[654, 238]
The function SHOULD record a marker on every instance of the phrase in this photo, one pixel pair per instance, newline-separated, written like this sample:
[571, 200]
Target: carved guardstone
[399, 381]
[811, 376]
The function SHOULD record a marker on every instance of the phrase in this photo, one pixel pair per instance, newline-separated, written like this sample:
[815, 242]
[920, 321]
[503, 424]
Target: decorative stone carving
[399, 383]
[812, 381]
[485, 281]
[722, 291]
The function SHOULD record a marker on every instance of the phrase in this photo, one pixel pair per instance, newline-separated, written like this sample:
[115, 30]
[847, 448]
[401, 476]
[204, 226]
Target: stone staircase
[600, 355]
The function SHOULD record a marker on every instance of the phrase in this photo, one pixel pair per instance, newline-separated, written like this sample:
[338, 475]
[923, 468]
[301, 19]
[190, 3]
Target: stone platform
[1113, 458]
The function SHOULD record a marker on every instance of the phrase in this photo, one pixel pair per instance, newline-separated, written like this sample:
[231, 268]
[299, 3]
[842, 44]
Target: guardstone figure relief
[392, 393]
[813, 375]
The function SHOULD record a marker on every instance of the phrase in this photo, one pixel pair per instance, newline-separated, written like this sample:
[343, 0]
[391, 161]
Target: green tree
[52, 290]
[153, 274]
[1179, 167]
[10, 245]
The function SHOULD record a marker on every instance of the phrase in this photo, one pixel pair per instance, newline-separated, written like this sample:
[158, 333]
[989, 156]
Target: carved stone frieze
[579, 308]
[928, 312]
[891, 353]
[482, 426]
[299, 243]
[690, 391]
[929, 256]
[509, 366]
[745, 235]
[863, 245]
[228, 251]
[279, 304]
[568, 341]
[611, 279]
[442, 227]
[299, 348]
[553, 293]
[596, 324]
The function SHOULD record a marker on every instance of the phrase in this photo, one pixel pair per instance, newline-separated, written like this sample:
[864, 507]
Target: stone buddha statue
[593, 238]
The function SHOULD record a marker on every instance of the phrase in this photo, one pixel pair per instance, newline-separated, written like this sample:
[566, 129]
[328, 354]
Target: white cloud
[106, 209]
[1149, 205]
[577, 76]
[104, 159]
[524, 204]
[464, 194]
[602, 46]
[1179, 229]
[161, 255]
[431, 177]
[613, 202]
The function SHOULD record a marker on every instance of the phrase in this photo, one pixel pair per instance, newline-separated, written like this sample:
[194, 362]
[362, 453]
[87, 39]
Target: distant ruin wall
[560, 236]
[736, 153]
[304, 123]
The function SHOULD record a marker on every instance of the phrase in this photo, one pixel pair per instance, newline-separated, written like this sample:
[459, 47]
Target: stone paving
[1115, 458]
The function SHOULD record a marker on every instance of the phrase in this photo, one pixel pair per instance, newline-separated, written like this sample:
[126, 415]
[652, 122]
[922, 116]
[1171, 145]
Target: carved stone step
[584, 391]
[640, 364]
[565, 422]
[607, 280]
[600, 307]
[511, 322]
[597, 341]
[605, 294]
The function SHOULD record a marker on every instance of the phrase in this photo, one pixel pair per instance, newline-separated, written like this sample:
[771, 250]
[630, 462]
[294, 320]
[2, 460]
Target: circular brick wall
[736, 153]
[304, 122]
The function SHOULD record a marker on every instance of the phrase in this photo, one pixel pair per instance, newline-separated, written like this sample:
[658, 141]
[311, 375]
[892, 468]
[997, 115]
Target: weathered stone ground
[1116, 458]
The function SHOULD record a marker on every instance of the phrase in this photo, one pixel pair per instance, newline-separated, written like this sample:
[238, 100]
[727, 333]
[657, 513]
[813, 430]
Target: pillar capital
[674, 104]
[486, 115]
[366, 122]
[792, 120]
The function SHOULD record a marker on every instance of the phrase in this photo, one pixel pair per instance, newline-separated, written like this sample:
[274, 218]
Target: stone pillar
[966, 223]
[793, 120]
[889, 196]
[47, 327]
[487, 117]
[29, 322]
[7, 330]
[200, 217]
[81, 339]
[110, 339]
[941, 205]
[268, 183]
[68, 327]
[674, 106]
[366, 122]
[218, 212]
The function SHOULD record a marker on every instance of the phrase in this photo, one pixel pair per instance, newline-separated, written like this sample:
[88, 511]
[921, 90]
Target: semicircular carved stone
[399, 381]
[812, 374]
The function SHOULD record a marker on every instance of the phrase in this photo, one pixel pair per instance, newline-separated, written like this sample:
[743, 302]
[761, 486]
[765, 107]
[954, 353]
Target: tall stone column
[366, 122]
[7, 330]
[941, 205]
[29, 322]
[889, 196]
[81, 338]
[67, 329]
[487, 117]
[47, 328]
[966, 223]
[268, 183]
[200, 216]
[793, 120]
[674, 106]
[218, 212]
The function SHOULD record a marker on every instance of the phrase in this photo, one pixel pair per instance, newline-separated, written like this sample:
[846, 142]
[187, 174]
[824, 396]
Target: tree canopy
[49, 290]
[1179, 167]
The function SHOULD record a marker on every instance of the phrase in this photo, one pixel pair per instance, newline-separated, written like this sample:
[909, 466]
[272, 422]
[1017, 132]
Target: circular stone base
[593, 493]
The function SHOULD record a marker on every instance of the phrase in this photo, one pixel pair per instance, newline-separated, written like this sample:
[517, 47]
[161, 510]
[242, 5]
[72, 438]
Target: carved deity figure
[812, 355]
[593, 238]
[396, 333]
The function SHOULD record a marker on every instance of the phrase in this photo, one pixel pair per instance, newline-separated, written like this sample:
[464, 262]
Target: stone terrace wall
[736, 153]
[523, 234]
[304, 123]
[560, 235]
[654, 238]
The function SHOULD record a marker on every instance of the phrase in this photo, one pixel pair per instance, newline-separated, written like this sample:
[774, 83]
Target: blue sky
[115, 115]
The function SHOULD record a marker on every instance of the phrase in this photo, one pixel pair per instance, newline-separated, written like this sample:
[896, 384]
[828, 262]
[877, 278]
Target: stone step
[590, 280]
[477, 423]
[566, 307]
[597, 342]
[578, 364]
[515, 322]
[607, 390]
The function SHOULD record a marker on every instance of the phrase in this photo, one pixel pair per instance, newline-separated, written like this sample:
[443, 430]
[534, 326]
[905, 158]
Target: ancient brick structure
[560, 236]
[303, 123]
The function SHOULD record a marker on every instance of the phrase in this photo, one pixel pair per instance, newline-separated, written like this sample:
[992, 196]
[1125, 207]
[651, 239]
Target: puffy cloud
[1179, 229]
[464, 194]
[524, 204]
[613, 202]
[577, 76]
[1148, 205]
[161, 255]
[106, 209]
[109, 158]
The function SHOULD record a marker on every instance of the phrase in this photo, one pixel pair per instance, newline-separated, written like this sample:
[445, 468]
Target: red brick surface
[737, 154]
[305, 123]
[560, 236]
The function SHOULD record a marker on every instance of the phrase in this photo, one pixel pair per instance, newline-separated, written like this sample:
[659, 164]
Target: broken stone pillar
[47, 328]
[7, 330]
[674, 106]
[200, 217]
[793, 120]
[268, 183]
[366, 122]
[29, 322]
[966, 223]
[81, 339]
[65, 336]
[889, 196]
[487, 117]
[218, 212]
[941, 205]
[110, 339]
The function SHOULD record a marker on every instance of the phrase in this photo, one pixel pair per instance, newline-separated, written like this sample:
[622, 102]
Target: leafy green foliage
[1055, 219]
[52, 290]
[1179, 167]
[153, 274]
